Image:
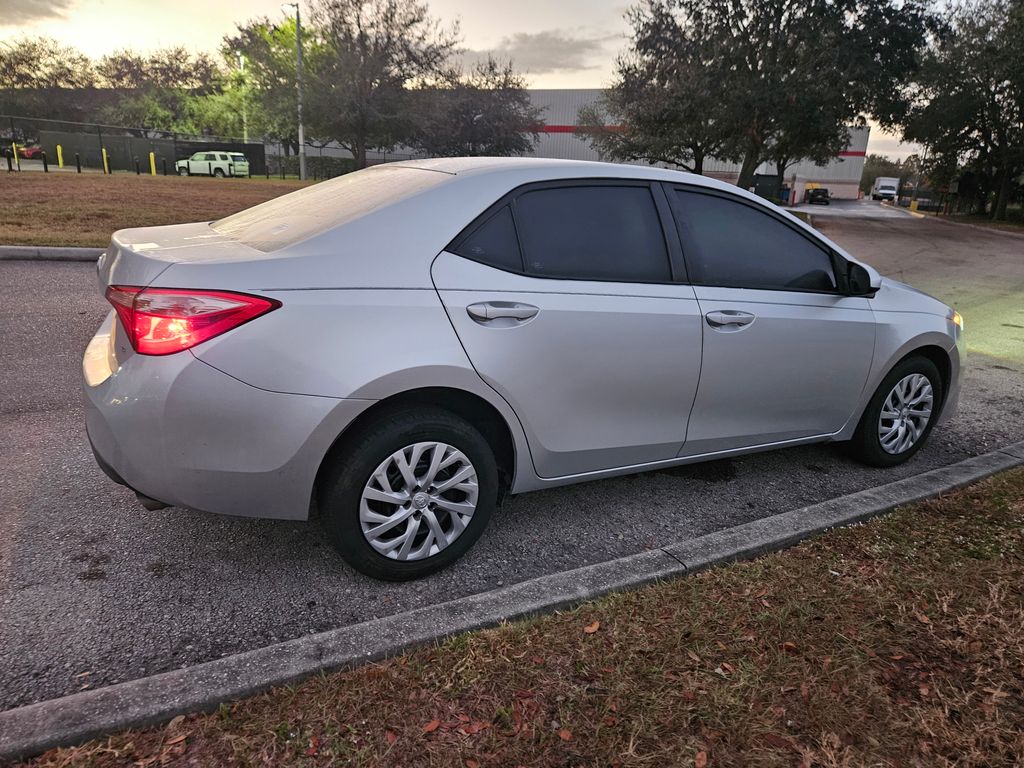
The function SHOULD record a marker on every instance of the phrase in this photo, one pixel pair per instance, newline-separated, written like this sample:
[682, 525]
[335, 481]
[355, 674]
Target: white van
[885, 188]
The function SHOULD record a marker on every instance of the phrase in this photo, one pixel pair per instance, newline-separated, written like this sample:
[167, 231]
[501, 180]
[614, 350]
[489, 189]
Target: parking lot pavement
[95, 590]
[856, 209]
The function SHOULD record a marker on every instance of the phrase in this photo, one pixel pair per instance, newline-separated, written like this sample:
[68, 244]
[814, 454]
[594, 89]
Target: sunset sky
[563, 44]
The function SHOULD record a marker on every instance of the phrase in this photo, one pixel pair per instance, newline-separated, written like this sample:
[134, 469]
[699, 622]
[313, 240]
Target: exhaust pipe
[151, 504]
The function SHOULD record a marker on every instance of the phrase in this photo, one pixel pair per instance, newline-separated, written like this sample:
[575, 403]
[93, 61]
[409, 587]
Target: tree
[758, 80]
[270, 83]
[665, 103]
[41, 62]
[368, 54]
[487, 112]
[967, 104]
[161, 88]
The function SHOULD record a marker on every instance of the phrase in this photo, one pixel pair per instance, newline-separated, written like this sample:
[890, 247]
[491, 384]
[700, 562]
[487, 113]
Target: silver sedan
[393, 350]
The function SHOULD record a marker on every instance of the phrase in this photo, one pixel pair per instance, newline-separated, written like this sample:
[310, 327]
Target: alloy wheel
[418, 501]
[905, 414]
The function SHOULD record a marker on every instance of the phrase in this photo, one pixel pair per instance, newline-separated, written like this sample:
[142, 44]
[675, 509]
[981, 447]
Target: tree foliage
[367, 56]
[967, 104]
[757, 80]
[484, 112]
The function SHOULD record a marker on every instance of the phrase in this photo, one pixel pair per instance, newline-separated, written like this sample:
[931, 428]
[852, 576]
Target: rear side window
[494, 243]
[730, 244]
[209, 156]
[601, 232]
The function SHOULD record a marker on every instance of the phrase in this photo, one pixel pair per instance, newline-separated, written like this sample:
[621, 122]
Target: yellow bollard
[913, 205]
[17, 160]
[152, 164]
[60, 157]
[106, 162]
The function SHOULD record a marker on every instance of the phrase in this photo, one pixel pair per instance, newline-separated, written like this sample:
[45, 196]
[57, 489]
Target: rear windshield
[238, 158]
[291, 218]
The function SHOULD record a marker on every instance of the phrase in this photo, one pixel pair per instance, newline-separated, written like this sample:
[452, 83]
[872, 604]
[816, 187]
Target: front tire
[183, 172]
[409, 493]
[900, 415]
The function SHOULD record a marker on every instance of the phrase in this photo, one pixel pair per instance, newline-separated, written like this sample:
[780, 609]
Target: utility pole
[245, 107]
[298, 87]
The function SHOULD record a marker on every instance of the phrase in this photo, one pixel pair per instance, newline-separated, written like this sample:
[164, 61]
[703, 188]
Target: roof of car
[550, 168]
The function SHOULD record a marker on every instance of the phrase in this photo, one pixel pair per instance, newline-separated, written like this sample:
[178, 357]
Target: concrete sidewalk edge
[147, 701]
[47, 253]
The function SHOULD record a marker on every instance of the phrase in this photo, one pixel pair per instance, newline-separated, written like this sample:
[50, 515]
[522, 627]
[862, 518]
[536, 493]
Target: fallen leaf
[432, 726]
[728, 667]
[693, 656]
[805, 692]
[922, 618]
[175, 722]
[592, 628]
[789, 646]
[924, 689]
[610, 720]
[701, 759]
[176, 740]
[471, 763]
[391, 736]
[537, 660]
[565, 734]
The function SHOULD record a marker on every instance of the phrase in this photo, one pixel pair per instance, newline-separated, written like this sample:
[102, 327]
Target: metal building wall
[560, 138]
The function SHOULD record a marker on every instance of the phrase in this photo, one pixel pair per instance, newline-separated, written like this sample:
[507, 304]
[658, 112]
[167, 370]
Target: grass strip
[899, 642]
[63, 209]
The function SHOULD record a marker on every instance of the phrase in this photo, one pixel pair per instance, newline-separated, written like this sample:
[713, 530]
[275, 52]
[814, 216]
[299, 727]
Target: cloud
[549, 51]
[14, 12]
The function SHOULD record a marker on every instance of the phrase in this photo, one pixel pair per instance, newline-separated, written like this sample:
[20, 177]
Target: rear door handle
[729, 319]
[486, 311]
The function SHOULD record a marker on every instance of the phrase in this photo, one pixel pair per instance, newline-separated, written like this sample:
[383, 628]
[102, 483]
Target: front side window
[601, 232]
[731, 244]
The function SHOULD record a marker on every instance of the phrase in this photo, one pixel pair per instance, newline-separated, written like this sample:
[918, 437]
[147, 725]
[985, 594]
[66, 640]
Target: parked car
[30, 151]
[818, 196]
[392, 350]
[213, 164]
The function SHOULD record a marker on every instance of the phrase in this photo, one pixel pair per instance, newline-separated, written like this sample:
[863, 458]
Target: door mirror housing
[858, 281]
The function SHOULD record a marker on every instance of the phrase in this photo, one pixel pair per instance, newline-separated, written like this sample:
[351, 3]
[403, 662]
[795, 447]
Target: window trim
[686, 240]
[673, 248]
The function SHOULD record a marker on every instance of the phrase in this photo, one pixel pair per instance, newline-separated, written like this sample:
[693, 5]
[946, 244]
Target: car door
[567, 299]
[786, 355]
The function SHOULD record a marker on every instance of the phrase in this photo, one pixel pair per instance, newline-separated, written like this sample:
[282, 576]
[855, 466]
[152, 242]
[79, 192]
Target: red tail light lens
[162, 321]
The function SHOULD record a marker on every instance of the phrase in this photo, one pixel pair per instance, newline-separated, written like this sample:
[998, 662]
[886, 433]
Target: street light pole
[298, 87]
[245, 114]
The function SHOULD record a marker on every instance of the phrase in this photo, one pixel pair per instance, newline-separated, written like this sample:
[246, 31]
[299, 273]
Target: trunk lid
[139, 256]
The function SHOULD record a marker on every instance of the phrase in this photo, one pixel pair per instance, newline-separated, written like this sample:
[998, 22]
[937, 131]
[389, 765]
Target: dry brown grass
[896, 643]
[72, 209]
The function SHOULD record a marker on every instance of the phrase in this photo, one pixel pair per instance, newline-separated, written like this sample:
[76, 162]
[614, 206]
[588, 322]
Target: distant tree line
[965, 104]
[754, 81]
[376, 74]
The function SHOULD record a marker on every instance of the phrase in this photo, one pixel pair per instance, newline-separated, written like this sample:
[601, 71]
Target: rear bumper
[178, 430]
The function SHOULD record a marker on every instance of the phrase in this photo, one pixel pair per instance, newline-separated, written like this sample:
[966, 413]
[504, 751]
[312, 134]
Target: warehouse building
[560, 137]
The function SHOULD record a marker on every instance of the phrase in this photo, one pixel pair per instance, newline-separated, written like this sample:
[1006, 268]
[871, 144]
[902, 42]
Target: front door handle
[486, 311]
[729, 319]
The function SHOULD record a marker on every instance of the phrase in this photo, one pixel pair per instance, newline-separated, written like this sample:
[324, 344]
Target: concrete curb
[47, 253]
[979, 227]
[139, 703]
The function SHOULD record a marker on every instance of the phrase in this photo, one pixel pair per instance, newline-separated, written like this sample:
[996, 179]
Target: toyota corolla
[392, 350]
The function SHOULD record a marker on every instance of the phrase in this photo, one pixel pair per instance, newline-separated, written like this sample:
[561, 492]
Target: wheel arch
[467, 405]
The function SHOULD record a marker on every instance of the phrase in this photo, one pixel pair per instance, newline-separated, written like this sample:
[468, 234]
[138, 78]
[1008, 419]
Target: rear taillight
[162, 321]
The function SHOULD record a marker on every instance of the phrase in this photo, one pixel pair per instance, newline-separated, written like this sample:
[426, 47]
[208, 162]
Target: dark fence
[124, 145]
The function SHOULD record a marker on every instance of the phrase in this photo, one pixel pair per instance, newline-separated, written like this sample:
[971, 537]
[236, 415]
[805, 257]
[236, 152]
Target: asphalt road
[857, 209]
[95, 590]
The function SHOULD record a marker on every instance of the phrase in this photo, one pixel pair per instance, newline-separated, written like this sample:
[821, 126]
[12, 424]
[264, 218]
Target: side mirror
[858, 280]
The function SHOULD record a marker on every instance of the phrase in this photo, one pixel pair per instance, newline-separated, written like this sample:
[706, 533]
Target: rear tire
[218, 173]
[892, 428]
[366, 489]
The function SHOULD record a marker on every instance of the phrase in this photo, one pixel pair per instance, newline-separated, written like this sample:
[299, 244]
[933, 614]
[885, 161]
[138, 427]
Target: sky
[563, 44]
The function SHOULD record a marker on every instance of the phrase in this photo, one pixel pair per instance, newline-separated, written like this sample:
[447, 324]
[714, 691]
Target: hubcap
[418, 501]
[905, 413]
